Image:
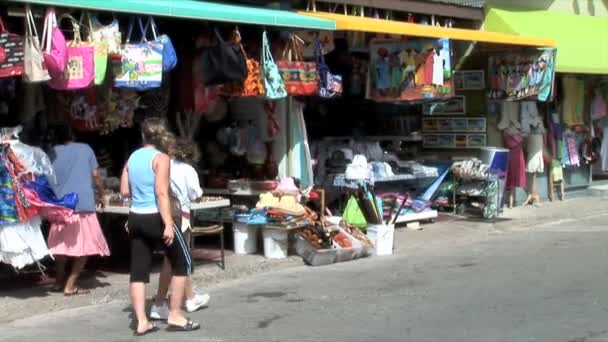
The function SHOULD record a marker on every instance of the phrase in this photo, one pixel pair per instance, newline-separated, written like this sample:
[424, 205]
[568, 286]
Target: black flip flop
[190, 326]
[149, 331]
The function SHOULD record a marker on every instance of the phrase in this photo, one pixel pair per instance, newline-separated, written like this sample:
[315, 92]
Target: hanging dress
[516, 175]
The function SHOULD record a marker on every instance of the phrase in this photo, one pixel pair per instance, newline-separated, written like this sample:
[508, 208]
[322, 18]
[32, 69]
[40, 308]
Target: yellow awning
[356, 23]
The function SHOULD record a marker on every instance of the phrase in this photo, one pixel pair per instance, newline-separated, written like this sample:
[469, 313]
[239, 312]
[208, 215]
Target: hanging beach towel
[79, 71]
[141, 64]
[11, 53]
[329, 85]
[273, 82]
[301, 78]
[54, 47]
[34, 66]
[169, 55]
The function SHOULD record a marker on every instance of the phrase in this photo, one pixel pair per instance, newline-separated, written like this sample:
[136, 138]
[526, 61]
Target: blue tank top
[141, 180]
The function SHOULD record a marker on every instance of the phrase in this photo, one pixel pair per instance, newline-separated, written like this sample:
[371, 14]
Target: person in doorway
[77, 172]
[185, 186]
[145, 179]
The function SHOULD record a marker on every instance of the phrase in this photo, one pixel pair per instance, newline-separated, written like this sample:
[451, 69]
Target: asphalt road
[547, 283]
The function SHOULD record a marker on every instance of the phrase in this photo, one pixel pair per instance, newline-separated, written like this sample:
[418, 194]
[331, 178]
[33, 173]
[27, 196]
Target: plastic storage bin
[383, 237]
[245, 238]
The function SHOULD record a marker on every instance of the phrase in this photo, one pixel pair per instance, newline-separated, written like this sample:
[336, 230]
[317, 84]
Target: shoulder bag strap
[86, 16]
[152, 25]
[220, 40]
[30, 24]
[266, 53]
[2, 28]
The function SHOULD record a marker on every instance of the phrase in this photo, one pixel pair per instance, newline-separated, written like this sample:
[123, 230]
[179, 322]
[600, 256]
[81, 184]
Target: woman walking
[145, 179]
[77, 171]
[186, 187]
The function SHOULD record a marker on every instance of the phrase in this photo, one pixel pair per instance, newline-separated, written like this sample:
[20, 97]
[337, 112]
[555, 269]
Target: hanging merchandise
[108, 36]
[310, 38]
[573, 104]
[273, 82]
[34, 68]
[329, 85]
[54, 47]
[141, 64]
[301, 78]
[522, 75]
[81, 108]
[11, 53]
[79, 72]
[120, 111]
[599, 109]
[169, 55]
[97, 38]
[252, 86]
[224, 63]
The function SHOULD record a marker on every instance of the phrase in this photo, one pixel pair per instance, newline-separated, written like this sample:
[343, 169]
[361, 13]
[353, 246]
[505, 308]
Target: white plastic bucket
[275, 243]
[245, 239]
[383, 237]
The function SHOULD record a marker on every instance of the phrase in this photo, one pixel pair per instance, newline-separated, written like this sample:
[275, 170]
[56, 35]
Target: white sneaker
[199, 301]
[160, 313]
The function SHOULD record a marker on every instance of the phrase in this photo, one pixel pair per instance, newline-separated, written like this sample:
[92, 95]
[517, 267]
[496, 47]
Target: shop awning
[191, 9]
[582, 41]
[355, 23]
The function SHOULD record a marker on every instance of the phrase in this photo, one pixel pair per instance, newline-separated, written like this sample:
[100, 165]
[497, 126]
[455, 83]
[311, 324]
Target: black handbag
[224, 63]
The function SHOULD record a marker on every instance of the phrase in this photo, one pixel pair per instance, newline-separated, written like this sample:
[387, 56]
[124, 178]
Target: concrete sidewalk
[447, 231]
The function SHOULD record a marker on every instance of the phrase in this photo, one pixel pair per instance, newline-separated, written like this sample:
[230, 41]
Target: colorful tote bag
[79, 72]
[34, 67]
[273, 82]
[330, 85]
[54, 47]
[169, 55]
[141, 64]
[101, 50]
[301, 78]
[11, 53]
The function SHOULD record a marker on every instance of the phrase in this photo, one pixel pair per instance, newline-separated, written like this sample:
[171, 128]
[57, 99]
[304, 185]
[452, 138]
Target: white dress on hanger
[438, 59]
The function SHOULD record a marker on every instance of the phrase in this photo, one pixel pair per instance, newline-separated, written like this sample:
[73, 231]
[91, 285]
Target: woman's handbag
[11, 53]
[169, 55]
[273, 82]
[141, 64]
[79, 72]
[35, 70]
[301, 78]
[252, 86]
[54, 47]
[224, 63]
[330, 85]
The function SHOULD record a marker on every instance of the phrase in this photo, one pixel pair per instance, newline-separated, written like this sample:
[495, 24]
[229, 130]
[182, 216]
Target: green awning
[581, 41]
[190, 9]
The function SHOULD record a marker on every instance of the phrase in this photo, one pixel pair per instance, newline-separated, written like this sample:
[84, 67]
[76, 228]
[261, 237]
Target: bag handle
[30, 24]
[266, 53]
[318, 52]
[2, 28]
[152, 24]
[220, 40]
[141, 29]
[75, 27]
[50, 22]
[86, 15]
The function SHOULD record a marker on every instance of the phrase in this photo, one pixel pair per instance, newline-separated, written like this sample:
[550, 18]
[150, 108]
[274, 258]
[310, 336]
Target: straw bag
[79, 72]
[35, 70]
[11, 53]
[141, 64]
[273, 82]
[54, 48]
[301, 78]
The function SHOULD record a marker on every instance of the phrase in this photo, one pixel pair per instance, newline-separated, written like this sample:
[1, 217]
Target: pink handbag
[79, 70]
[54, 47]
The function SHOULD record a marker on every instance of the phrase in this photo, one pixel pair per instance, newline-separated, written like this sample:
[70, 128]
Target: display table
[203, 205]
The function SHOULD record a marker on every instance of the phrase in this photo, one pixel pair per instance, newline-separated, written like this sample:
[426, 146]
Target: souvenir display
[79, 71]
[11, 53]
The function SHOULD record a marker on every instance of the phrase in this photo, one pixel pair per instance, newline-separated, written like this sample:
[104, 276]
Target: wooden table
[214, 204]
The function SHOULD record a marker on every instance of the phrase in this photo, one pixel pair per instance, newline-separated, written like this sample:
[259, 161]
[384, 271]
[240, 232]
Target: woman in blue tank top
[145, 180]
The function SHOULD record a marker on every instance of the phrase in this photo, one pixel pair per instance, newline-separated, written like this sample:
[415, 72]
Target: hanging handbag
[11, 53]
[79, 71]
[141, 64]
[224, 63]
[252, 86]
[273, 82]
[329, 85]
[301, 78]
[169, 55]
[54, 47]
[34, 68]
[101, 49]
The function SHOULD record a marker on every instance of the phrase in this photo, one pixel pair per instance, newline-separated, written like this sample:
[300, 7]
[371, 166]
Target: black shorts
[146, 233]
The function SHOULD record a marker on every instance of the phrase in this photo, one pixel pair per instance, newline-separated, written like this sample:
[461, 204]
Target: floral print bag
[273, 82]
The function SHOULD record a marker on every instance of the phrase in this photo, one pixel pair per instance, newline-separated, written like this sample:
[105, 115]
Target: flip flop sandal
[76, 292]
[153, 329]
[190, 326]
